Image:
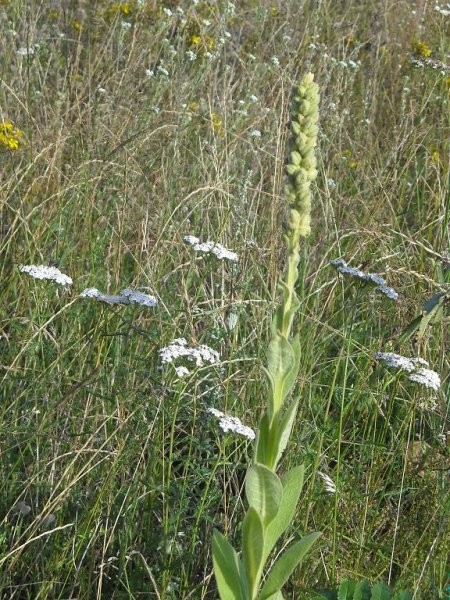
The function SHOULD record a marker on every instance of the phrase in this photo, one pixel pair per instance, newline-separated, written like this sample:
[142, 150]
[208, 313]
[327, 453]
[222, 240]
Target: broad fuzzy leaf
[280, 362]
[284, 432]
[285, 565]
[362, 590]
[227, 569]
[380, 591]
[346, 590]
[292, 487]
[403, 595]
[252, 549]
[264, 491]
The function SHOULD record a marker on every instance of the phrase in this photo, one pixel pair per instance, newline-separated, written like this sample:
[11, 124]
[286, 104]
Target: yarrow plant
[272, 499]
[44, 272]
[126, 296]
[416, 367]
[211, 247]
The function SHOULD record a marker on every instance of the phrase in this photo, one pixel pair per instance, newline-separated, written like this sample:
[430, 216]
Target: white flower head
[330, 486]
[44, 272]
[417, 368]
[126, 296]
[211, 247]
[182, 372]
[229, 423]
[179, 349]
[342, 267]
[25, 51]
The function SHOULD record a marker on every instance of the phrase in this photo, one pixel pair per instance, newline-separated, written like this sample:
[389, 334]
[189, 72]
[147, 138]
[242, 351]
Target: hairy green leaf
[252, 549]
[284, 430]
[346, 590]
[362, 590]
[264, 491]
[285, 565]
[227, 569]
[292, 486]
[380, 591]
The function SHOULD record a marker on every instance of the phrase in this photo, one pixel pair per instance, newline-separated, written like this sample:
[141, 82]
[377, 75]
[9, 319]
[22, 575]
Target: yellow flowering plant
[10, 136]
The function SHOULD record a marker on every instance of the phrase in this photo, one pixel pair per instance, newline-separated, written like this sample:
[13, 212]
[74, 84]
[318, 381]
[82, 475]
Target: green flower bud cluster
[301, 166]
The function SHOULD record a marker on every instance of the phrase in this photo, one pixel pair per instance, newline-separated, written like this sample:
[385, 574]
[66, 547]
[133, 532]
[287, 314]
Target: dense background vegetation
[128, 125]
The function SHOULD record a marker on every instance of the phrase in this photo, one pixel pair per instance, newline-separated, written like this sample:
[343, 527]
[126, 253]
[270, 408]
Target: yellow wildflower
[421, 49]
[204, 43]
[77, 25]
[10, 135]
[216, 124]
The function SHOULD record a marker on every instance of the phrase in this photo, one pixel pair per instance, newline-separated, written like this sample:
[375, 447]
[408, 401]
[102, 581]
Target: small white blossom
[442, 11]
[417, 368]
[149, 72]
[167, 12]
[253, 98]
[25, 51]
[191, 55]
[427, 377]
[328, 482]
[331, 183]
[255, 133]
[275, 61]
[179, 348]
[44, 272]
[182, 372]
[228, 423]
[126, 296]
[162, 70]
[342, 267]
[215, 248]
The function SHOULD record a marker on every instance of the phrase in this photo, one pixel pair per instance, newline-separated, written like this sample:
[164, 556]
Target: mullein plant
[272, 499]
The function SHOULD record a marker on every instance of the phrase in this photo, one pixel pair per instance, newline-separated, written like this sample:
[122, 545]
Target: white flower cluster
[342, 267]
[416, 367]
[220, 251]
[435, 64]
[330, 486]
[443, 11]
[126, 296]
[179, 348]
[44, 272]
[228, 423]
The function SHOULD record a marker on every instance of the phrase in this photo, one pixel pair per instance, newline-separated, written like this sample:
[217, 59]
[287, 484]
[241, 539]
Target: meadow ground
[125, 126]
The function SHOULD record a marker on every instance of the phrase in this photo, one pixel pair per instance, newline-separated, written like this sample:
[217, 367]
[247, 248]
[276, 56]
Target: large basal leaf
[264, 492]
[346, 590]
[252, 549]
[285, 565]
[380, 591]
[227, 569]
[362, 590]
[292, 483]
[403, 595]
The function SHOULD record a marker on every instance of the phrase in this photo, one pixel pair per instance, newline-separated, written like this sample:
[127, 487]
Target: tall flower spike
[301, 167]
